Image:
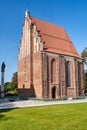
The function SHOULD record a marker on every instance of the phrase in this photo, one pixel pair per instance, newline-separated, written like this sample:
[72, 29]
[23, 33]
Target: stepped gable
[55, 38]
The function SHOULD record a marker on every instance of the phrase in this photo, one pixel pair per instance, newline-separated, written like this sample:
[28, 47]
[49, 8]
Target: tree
[14, 81]
[15, 78]
[85, 82]
[84, 55]
[11, 87]
[6, 87]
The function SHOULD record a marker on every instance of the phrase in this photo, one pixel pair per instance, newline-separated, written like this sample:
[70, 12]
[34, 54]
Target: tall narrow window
[25, 77]
[53, 71]
[67, 74]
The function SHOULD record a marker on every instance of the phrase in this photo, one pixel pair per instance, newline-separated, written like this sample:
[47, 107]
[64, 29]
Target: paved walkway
[33, 103]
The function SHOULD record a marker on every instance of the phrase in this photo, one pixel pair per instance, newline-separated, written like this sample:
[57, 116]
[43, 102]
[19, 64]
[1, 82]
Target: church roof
[55, 38]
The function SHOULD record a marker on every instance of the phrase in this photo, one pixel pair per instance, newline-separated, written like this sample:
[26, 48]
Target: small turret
[27, 13]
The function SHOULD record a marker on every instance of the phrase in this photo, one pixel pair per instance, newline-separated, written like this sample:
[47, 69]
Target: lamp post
[2, 79]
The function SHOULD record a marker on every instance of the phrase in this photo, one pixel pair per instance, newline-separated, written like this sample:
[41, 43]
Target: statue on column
[2, 79]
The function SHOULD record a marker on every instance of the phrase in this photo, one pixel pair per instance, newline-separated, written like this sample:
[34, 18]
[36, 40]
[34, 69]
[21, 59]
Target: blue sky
[71, 14]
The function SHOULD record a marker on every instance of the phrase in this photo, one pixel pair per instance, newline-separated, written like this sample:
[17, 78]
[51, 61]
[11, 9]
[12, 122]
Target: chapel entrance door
[54, 92]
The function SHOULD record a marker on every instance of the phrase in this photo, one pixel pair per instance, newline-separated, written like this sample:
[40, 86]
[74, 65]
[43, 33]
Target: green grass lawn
[55, 117]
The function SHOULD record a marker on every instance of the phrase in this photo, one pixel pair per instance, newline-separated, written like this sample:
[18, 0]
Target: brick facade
[43, 74]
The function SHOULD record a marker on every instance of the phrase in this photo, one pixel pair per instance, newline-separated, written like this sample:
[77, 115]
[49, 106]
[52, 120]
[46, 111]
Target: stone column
[2, 79]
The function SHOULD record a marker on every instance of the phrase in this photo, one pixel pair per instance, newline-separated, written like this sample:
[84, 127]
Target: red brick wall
[40, 72]
[29, 67]
[53, 77]
[37, 74]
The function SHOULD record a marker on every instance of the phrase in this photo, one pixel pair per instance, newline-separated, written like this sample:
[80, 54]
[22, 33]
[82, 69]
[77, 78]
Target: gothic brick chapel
[48, 64]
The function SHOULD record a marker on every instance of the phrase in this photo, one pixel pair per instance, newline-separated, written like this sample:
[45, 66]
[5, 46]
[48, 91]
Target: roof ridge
[47, 22]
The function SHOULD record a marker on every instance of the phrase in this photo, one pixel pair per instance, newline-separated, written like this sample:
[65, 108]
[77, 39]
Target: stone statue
[3, 67]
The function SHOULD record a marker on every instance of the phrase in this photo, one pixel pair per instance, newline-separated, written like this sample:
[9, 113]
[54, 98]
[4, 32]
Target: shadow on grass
[5, 110]
[4, 116]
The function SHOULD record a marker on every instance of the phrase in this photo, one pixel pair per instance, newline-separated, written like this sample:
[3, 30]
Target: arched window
[53, 71]
[23, 86]
[68, 74]
[25, 77]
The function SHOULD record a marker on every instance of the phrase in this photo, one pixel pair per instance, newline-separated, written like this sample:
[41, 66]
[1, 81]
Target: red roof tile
[55, 38]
